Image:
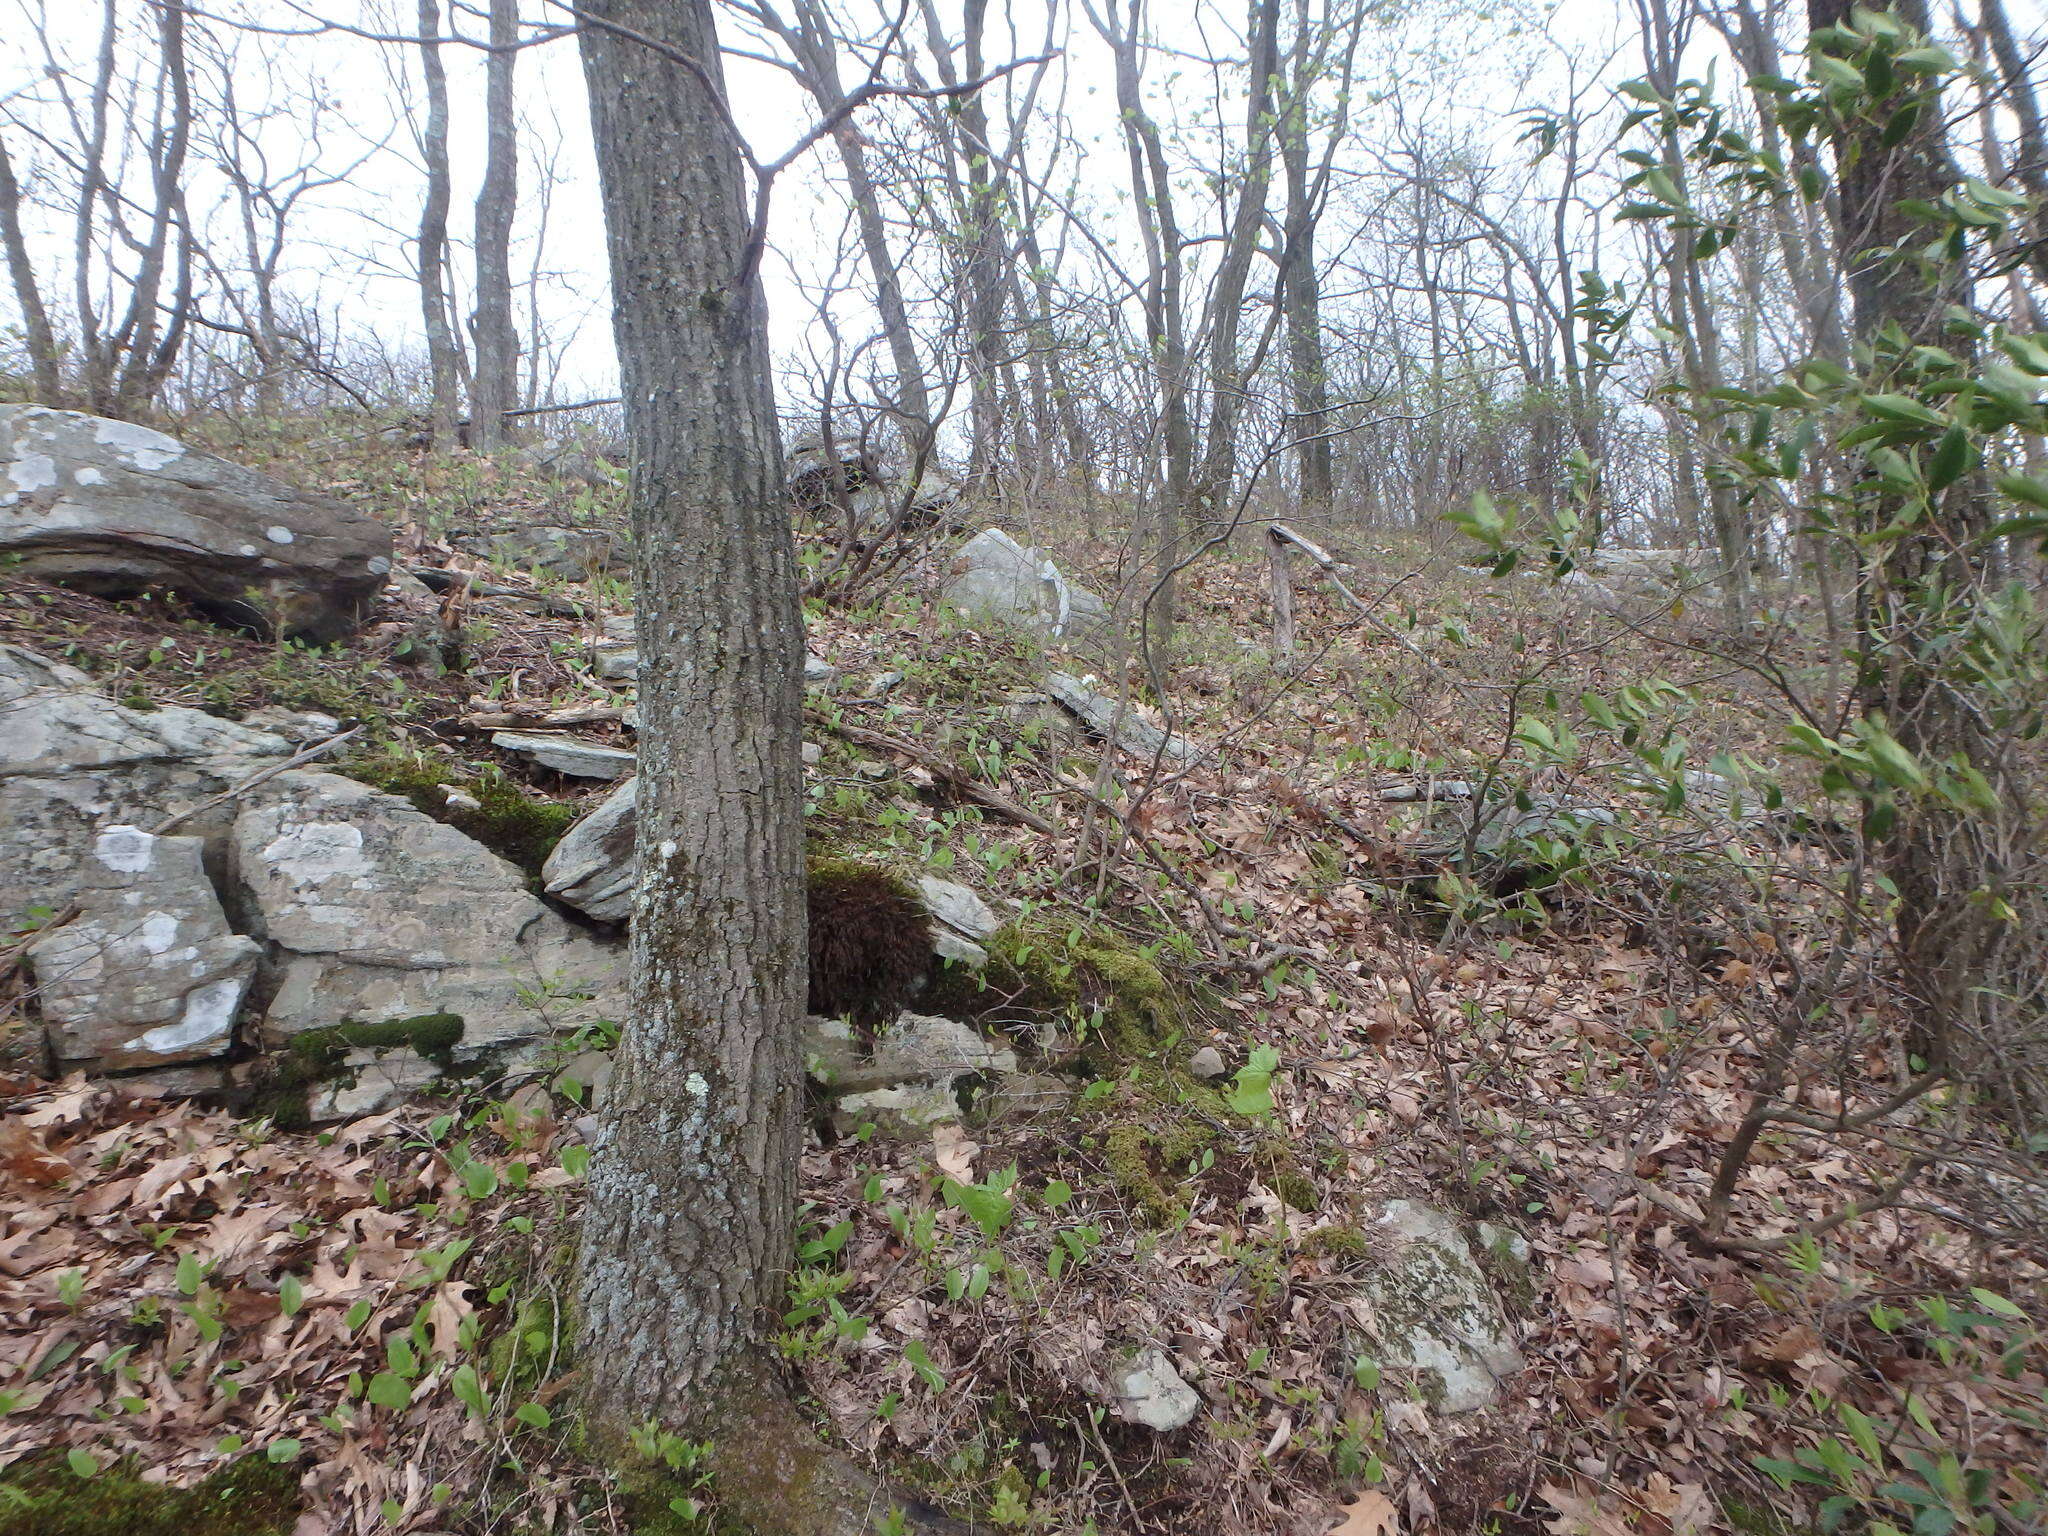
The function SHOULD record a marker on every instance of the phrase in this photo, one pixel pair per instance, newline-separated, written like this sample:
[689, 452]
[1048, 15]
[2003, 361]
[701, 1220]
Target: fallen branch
[940, 768]
[437, 579]
[538, 717]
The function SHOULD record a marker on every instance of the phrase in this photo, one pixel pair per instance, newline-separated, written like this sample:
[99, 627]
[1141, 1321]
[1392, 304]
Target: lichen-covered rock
[148, 973]
[998, 579]
[74, 763]
[1432, 1310]
[118, 509]
[375, 911]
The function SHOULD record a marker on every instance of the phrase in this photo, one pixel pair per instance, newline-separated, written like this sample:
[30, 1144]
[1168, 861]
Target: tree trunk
[1920, 586]
[1300, 288]
[690, 1214]
[28, 295]
[1152, 198]
[145, 360]
[1216, 479]
[496, 387]
[442, 361]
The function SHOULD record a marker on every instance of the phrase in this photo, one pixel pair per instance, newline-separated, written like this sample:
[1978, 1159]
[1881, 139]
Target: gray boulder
[996, 578]
[118, 509]
[374, 912]
[148, 973]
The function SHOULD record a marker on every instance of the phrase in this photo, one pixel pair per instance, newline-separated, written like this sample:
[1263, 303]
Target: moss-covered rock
[514, 824]
[44, 1496]
[1090, 988]
[320, 1056]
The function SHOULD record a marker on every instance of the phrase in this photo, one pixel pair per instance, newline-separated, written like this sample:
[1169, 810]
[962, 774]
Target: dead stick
[306, 755]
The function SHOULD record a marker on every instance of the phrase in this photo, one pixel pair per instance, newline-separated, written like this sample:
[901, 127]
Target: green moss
[1087, 983]
[655, 1502]
[513, 824]
[42, 1496]
[534, 1338]
[1345, 1245]
[318, 1056]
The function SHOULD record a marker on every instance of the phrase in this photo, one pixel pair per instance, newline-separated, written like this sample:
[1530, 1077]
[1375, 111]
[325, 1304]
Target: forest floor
[380, 1314]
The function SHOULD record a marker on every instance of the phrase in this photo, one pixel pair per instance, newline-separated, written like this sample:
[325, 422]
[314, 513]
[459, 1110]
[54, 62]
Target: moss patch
[512, 823]
[1089, 985]
[320, 1056]
[871, 941]
[42, 1496]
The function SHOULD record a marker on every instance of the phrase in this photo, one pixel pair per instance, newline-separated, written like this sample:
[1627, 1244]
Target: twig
[304, 755]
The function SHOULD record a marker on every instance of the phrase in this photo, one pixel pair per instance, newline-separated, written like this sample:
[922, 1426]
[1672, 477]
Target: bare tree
[443, 350]
[44, 359]
[495, 389]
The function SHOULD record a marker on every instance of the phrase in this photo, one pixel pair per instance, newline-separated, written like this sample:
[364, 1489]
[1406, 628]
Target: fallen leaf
[954, 1153]
[1370, 1514]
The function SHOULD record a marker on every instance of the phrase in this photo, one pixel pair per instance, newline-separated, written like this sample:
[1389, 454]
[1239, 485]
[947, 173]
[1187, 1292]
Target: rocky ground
[1246, 1147]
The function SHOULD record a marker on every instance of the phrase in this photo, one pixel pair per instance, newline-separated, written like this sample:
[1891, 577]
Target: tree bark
[689, 1219]
[495, 389]
[442, 351]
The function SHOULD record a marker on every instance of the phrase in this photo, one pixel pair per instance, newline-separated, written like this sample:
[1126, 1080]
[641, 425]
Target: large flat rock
[118, 509]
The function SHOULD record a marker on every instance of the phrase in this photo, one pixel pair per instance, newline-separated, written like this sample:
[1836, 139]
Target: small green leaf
[282, 1451]
[389, 1391]
[1251, 1092]
[468, 1388]
[291, 1295]
[533, 1415]
[81, 1462]
[1991, 1301]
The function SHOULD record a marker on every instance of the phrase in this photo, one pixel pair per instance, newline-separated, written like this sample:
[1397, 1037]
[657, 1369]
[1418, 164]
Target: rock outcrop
[272, 908]
[118, 509]
[373, 911]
